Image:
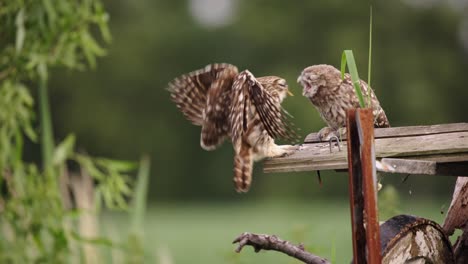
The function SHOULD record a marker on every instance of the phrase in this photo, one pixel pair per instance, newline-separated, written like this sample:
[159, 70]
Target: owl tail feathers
[243, 165]
[212, 135]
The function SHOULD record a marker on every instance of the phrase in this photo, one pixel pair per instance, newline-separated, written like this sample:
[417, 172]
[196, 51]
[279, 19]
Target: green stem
[139, 200]
[18, 171]
[47, 137]
[370, 50]
[369, 68]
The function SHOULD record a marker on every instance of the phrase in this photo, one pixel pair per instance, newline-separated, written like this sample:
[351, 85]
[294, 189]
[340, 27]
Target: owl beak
[290, 93]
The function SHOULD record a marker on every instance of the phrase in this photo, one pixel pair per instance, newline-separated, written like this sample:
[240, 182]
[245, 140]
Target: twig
[267, 242]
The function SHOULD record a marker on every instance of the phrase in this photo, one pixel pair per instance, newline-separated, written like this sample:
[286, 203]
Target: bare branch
[267, 242]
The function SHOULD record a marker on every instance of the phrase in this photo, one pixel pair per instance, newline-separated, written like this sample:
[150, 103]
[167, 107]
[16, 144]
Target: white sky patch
[213, 13]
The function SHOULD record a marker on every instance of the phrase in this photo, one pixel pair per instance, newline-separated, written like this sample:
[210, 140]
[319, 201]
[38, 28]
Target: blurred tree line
[122, 109]
[49, 205]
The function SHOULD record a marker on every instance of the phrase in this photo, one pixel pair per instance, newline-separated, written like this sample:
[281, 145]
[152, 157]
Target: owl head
[313, 78]
[276, 86]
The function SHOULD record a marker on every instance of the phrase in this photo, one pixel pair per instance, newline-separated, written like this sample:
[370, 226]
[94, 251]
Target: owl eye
[313, 78]
[284, 85]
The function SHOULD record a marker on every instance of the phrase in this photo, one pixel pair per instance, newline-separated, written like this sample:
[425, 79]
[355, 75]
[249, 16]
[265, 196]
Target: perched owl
[229, 104]
[332, 96]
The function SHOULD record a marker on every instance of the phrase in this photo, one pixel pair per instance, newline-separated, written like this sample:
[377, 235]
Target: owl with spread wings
[239, 106]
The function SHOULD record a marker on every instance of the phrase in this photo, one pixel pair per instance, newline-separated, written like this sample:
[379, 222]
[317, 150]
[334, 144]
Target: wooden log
[410, 239]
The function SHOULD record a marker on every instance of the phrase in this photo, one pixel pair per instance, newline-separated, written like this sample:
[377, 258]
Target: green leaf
[19, 147]
[87, 164]
[90, 48]
[117, 165]
[96, 241]
[64, 150]
[348, 59]
[47, 137]
[102, 21]
[20, 31]
[50, 10]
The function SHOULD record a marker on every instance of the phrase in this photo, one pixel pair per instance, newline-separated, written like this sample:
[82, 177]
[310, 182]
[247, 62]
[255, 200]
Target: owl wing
[380, 118]
[203, 96]
[248, 93]
[215, 127]
[189, 91]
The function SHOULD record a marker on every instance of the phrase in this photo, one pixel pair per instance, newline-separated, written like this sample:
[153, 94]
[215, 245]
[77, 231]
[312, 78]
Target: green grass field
[202, 233]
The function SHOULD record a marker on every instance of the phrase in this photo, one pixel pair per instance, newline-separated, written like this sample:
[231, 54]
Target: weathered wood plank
[443, 147]
[411, 166]
[407, 166]
[405, 131]
[422, 145]
[442, 158]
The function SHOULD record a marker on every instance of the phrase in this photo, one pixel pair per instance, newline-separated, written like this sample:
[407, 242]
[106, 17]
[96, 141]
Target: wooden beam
[427, 167]
[439, 147]
[447, 143]
[407, 166]
[405, 131]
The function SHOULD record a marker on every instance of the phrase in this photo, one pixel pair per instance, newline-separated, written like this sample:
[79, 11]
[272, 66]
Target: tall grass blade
[369, 68]
[348, 59]
[47, 137]
[139, 200]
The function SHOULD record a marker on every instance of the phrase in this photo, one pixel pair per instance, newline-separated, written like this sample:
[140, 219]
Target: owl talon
[325, 133]
[289, 150]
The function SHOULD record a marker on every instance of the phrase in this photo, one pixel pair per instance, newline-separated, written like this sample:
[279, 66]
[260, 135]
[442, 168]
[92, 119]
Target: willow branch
[267, 242]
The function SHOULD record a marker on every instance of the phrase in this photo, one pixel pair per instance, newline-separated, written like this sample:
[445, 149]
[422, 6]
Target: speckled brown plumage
[332, 96]
[229, 104]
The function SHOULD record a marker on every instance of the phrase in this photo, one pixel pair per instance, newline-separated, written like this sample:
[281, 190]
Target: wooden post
[362, 186]
[356, 198]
